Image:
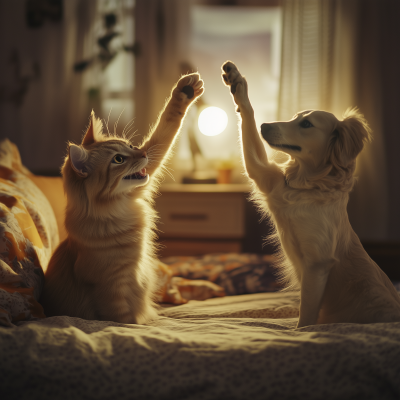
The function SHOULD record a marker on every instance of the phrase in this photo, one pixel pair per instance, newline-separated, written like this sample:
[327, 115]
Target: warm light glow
[212, 121]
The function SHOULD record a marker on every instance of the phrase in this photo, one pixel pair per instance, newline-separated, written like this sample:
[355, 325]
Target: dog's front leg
[313, 283]
[265, 174]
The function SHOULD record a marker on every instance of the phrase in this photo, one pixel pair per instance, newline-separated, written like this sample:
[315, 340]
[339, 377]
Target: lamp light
[212, 121]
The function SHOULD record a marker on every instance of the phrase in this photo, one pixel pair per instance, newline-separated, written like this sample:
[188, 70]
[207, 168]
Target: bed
[239, 347]
[238, 342]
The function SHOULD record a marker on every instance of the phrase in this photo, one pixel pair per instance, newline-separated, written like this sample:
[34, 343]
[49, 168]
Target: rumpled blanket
[235, 273]
[235, 347]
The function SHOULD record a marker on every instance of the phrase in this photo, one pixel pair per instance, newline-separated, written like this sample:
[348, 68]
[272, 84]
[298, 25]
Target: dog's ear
[348, 139]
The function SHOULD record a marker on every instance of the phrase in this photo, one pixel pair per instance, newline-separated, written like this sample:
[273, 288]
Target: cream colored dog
[306, 199]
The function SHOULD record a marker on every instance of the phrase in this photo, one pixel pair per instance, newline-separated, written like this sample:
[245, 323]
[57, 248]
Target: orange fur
[104, 270]
[306, 199]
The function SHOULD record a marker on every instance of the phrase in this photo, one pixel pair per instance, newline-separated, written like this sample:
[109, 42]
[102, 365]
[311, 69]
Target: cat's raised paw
[191, 85]
[189, 91]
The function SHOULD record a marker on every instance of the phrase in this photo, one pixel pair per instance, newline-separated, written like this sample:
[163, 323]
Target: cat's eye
[306, 124]
[118, 159]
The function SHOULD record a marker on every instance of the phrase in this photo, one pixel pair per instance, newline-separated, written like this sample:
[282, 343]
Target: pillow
[53, 189]
[28, 236]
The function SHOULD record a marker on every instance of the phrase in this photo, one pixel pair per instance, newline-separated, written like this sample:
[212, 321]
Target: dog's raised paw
[233, 88]
[227, 66]
[231, 75]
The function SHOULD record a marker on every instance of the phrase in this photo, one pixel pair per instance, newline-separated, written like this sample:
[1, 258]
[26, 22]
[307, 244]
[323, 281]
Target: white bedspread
[239, 347]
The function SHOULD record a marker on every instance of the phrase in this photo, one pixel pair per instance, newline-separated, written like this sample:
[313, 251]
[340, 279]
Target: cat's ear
[78, 157]
[94, 132]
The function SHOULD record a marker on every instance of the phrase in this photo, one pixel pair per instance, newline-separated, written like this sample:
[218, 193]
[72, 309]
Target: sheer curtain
[328, 64]
[162, 29]
[54, 107]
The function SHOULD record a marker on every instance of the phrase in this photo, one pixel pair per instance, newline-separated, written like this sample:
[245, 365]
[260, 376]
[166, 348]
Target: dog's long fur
[306, 199]
[105, 268]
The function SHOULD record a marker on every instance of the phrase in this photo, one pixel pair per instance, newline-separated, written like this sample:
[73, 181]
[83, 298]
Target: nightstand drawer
[199, 215]
[196, 246]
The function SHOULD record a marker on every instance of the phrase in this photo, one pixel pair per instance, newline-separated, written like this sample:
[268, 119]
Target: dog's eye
[118, 159]
[306, 124]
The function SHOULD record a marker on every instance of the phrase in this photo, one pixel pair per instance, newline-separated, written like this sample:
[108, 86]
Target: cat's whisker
[155, 157]
[155, 152]
[108, 119]
[168, 172]
[166, 169]
[104, 123]
[129, 124]
[152, 149]
[132, 135]
[116, 124]
[155, 145]
[152, 161]
[127, 132]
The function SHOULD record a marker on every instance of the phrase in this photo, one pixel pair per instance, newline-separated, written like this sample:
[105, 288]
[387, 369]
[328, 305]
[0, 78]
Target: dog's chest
[307, 231]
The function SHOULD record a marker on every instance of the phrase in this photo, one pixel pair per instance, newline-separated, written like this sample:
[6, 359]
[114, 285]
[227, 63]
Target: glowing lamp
[212, 121]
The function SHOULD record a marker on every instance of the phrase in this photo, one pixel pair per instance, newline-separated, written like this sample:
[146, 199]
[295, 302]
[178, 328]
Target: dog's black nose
[265, 128]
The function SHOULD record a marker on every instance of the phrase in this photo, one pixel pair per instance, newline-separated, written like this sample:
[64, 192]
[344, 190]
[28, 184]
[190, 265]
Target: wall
[378, 64]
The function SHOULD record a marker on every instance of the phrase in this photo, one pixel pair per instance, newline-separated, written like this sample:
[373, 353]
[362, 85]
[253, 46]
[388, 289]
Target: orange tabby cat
[104, 270]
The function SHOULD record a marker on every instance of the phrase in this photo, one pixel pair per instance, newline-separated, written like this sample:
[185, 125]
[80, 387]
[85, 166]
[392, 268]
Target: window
[110, 81]
[250, 37]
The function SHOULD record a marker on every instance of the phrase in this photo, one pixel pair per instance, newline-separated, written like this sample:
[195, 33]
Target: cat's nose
[144, 154]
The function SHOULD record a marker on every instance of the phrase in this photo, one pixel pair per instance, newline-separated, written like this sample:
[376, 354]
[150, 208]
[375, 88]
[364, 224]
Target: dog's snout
[265, 128]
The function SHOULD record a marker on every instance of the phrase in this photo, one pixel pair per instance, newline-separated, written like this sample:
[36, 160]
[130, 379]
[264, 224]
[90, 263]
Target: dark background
[36, 106]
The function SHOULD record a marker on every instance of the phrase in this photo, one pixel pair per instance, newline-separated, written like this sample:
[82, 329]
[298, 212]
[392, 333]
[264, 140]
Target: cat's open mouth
[137, 175]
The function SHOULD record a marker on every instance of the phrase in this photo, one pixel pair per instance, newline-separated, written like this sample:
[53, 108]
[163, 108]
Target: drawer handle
[188, 217]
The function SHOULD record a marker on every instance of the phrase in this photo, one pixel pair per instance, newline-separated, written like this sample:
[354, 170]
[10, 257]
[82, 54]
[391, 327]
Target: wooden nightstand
[199, 219]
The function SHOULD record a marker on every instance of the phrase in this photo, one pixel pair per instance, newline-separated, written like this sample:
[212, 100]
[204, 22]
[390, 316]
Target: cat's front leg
[158, 144]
